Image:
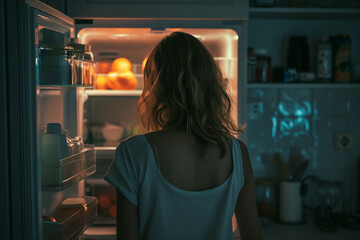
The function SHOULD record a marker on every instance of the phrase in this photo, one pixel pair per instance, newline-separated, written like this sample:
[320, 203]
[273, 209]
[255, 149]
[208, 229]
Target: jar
[83, 64]
[251, 65]
[263, 66]
[54, 64]
[342, 57]
[325, 60]
[266, 197]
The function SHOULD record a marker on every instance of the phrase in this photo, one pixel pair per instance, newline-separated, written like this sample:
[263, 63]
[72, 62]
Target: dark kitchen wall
[311, 119]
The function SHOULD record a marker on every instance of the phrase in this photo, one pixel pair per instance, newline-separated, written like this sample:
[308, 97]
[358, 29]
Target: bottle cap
[53, 128]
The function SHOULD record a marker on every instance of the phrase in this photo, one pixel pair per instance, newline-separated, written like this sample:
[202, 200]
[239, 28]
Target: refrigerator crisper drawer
[70, 170]
[106, 196]
[69, 223]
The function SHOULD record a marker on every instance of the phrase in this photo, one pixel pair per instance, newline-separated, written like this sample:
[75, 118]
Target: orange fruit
[112, 210]
[104, 200]
[143, 64]
[104, 67]
[121, 65]
[100, 82]
[121, 81]
[127, 81]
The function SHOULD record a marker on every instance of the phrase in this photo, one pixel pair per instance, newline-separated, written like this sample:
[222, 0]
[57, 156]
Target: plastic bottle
[324, 60]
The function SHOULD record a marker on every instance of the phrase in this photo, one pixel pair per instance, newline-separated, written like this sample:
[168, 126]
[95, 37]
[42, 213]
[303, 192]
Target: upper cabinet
[159, 9]
[272, 29]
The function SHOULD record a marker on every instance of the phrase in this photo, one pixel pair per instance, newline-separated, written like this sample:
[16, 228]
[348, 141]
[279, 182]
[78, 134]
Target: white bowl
[112, 133]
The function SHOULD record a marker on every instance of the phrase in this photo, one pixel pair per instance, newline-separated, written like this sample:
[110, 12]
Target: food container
[55, 65]
[69, 222]
[342, 57]
[83, 64]
[112, 133]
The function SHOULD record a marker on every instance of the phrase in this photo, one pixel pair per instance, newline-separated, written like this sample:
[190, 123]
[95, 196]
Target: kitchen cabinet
[271, 28]
[160, 9]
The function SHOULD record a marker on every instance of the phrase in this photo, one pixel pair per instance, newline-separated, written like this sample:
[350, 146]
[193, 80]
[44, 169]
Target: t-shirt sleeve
[122, 173]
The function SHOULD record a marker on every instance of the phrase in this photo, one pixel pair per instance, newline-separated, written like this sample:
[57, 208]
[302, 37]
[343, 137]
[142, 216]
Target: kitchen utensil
[283, 168]
[299, 170]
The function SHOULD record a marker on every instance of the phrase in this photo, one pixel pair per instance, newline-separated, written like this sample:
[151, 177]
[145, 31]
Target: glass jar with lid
[83, 64]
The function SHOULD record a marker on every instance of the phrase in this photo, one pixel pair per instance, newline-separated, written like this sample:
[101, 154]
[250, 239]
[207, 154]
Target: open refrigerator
[68, 102]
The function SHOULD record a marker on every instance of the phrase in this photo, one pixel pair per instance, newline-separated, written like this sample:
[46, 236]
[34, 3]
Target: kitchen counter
[275, 231]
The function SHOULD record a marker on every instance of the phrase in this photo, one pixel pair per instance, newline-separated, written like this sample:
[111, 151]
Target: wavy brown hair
[184, 88]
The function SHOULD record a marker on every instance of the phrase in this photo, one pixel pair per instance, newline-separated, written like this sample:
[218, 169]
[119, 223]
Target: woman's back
[168, 210]
[187, 176]
[181, 165]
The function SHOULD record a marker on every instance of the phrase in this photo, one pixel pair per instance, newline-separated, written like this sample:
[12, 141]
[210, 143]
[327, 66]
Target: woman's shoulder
[132, 143]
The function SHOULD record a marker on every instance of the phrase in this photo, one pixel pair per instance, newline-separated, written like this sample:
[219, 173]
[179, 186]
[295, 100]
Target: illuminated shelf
[304, 13]
[113, 93]
[305, 85]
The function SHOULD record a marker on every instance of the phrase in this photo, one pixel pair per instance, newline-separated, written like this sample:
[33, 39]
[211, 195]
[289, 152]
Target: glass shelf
[113, 93]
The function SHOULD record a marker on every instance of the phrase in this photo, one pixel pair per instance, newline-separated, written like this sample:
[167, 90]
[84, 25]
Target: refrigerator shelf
[51, 86]
[113, 93]
[69, 223]
[70, 170]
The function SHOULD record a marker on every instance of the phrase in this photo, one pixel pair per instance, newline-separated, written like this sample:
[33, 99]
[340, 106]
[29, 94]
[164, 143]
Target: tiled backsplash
[308, 118]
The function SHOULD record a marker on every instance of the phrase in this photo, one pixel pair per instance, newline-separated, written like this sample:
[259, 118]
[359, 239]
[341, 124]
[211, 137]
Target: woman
[187, 176]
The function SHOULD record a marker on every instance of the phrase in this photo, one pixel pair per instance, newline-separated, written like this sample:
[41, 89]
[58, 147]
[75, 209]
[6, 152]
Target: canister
[342, 57]
[263, 65]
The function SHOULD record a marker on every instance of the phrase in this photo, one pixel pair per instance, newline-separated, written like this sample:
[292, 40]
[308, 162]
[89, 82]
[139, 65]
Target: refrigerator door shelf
[69, 223]
[70, 170]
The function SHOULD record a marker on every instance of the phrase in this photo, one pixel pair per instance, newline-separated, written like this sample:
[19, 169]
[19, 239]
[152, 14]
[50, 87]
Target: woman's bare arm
[127, 218]
[245, 210]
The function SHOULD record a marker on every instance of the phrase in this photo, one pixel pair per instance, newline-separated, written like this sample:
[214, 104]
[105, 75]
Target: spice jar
[263, 66]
